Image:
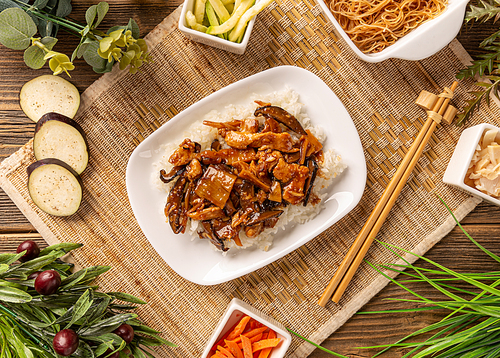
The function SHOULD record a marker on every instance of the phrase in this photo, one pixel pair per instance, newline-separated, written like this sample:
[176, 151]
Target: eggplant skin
[65, 141]
[55, 187]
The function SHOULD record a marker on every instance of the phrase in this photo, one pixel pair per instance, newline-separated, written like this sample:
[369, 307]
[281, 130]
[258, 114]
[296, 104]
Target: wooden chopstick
[360, 247]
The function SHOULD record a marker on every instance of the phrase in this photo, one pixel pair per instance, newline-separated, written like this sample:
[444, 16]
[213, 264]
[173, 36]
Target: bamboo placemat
[120, 110]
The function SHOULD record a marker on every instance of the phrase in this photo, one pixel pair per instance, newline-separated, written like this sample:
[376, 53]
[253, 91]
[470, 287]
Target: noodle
[375, 24]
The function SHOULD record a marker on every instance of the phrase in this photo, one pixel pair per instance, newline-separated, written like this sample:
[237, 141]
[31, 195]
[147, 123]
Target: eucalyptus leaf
[64, 8]
[14, 295]
[114, 28]
[102, 10]
[132, 26]
[34, 55]
[40, 4]
[107, 68]
[5, 4]
[127, 297]
[16, 29]
[90, 15]
[92, 57]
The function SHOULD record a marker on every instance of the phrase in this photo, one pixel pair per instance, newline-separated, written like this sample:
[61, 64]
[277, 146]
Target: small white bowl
[211, 40]
[461, 158]
[237, 309]
[424, 41]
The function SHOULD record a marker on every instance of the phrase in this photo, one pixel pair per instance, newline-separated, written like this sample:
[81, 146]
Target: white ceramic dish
[424, 41]
[195, 260]
[233, 314]
[210, 40]
[461, 158]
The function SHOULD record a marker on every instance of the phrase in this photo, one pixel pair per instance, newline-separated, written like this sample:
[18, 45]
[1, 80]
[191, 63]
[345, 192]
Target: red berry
[47, 282]
[32, 250]
[125, 332]
[65, 342]
[34, 275]
[114, 355]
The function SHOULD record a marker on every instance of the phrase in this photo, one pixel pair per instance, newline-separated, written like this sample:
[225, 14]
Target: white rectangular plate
[195, 260]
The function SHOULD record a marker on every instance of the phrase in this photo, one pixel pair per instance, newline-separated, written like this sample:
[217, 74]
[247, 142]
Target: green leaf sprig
[487, 66]
[30, 321]
[20, 22]
[472, 328]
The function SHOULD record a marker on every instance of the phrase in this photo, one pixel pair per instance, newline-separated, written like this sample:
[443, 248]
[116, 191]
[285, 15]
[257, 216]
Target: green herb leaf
[125, 297]
[64, 246]
[106, 325]
[14, 295]
[81, 307]
[16, 29]
[485, 10]
[34, 55]
[473, 104]
[8, 259]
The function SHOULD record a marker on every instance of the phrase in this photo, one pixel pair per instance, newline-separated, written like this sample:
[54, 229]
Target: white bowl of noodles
[420, 42]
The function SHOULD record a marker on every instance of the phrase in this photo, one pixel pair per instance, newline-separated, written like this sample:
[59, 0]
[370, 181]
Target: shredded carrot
[265, 352]
[265, 344]
[225, 351]
[247, 347]
[240, 327]
[220, 342]
[234, 349]
[252, 340]
[218, 355]
[252, 333]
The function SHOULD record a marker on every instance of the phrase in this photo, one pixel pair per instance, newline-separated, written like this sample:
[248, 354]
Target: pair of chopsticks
[438, 109]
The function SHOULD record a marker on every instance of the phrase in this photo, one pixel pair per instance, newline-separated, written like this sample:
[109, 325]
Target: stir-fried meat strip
[275, 194]
[224, 230]
[263, 216]
[314, 145]
[293, 192]
[267, 160]
[254, 230]
[270, 125]
[187, 151]
[210, 213]
[248, 125]
[245, 172]
[283, 171]
[229, 156]
[194, 170]
[278, 141]
[230, 126]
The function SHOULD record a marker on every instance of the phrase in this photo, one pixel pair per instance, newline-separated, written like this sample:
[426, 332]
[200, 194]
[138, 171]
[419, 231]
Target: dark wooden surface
[454, 251]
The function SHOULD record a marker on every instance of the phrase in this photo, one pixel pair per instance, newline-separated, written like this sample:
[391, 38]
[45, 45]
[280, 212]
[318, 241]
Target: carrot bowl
[245, 332]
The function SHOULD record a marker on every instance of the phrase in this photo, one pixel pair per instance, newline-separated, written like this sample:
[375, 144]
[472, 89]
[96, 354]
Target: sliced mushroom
[282, 116]
[174, 208]
[313, 170]
[175, 171]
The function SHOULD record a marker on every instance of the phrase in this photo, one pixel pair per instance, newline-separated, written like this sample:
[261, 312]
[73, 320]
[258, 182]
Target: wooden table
[454, 251]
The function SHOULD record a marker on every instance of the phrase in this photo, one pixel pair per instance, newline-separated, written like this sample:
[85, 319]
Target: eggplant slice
[55, 187]
[60, 137]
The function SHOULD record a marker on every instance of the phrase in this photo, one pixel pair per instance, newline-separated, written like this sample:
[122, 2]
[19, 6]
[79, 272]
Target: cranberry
[106, 354]
[65, 342]
[34, 275]
[47, 282]
[125, 332]
[32, 250]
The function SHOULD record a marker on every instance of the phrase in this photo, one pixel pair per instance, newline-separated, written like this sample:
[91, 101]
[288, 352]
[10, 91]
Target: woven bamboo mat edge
[168, 25]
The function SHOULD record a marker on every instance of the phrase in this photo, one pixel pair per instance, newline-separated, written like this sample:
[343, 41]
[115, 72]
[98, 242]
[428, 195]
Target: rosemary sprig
[487, 66]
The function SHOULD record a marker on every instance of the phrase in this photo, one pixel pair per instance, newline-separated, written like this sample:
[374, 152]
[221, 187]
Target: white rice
[204, 135]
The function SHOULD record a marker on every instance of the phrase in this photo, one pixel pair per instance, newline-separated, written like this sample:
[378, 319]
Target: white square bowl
[424, 41]
[211, 40]
[461, 158]
[237, 309]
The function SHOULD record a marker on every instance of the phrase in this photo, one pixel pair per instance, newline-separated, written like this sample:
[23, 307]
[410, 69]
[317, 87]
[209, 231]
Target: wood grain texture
[454, 251]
